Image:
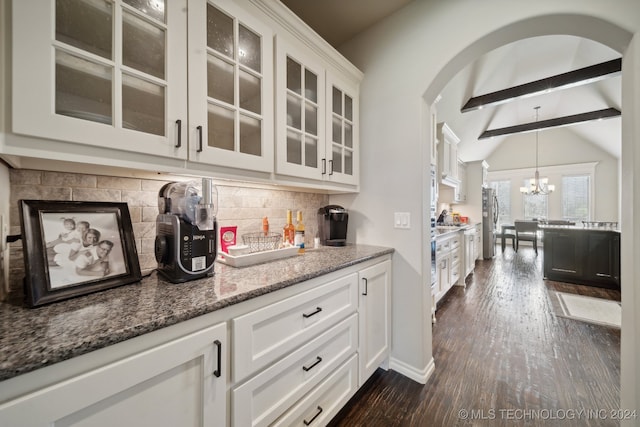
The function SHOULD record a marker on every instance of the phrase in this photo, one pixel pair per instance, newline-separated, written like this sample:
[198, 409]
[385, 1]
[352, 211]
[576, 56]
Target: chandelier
[537, 185]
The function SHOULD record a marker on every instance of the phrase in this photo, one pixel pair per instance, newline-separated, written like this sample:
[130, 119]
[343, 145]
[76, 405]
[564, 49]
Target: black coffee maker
[332, 225]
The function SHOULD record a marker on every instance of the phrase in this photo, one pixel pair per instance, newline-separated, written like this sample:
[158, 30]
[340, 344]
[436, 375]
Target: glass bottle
[289, 231]
[299, 236]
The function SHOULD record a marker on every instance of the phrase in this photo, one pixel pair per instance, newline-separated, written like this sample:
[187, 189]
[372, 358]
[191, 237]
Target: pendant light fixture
[537, 185]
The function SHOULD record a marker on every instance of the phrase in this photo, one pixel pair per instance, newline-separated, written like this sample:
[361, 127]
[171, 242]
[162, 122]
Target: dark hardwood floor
[503, 358]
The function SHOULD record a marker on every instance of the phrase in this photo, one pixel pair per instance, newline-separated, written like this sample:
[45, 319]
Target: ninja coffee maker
[332, 225]
[186, 230]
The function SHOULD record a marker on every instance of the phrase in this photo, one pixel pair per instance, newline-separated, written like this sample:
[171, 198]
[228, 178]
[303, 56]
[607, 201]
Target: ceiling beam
[566, 80]
[552, 123]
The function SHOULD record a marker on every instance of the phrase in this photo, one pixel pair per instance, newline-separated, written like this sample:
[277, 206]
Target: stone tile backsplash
[238, 205]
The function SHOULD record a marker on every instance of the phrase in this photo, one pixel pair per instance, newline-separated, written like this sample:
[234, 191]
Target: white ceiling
[337, 21]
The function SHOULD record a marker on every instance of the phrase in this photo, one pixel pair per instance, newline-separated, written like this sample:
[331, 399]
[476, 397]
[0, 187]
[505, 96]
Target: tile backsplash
[238, 205]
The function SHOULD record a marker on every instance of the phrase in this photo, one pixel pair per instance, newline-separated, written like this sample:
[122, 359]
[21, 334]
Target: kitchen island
[582, 255]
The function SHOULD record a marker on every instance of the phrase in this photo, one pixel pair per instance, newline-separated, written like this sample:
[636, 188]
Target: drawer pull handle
[366, 286]
[307, 369]
[218, 371]
[179, 143]
[324, 166]
[330, 167]
[308, 423]
[306, 316]
[199, 129]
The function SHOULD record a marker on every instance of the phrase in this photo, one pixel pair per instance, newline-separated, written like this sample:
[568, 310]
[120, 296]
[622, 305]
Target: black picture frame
[64, 260]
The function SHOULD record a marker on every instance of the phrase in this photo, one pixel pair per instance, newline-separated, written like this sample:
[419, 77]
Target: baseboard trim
[420, 376]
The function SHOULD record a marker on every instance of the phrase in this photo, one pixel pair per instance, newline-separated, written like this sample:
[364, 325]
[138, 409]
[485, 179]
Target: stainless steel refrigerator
[489, 222]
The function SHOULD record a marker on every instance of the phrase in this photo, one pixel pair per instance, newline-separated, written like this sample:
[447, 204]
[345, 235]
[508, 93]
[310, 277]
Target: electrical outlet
[402, 220]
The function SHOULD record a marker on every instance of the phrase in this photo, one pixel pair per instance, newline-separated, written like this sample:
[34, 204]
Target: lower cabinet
[375, 318]
[180, 383]
[589, 257]
[299, 360]
[448, 262]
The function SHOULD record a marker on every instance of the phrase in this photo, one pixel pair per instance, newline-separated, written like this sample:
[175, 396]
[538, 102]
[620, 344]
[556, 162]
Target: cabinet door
[180, 383]
[563, 255]
[300, 107]
[375, 318]
[342, 151]
[107, 74]
[230, 86]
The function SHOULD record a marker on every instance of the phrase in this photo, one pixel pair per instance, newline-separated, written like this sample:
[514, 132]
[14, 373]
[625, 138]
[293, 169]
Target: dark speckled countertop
[38, 337]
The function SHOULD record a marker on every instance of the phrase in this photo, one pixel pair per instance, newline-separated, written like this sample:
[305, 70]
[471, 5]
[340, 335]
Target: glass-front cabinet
[106, 73]
[300, 106]
[342, 146]
[230, 86]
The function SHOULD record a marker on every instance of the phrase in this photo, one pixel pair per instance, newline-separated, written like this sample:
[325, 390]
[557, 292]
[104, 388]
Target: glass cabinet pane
[250, 136]
[250, 98]
[311, 152]
[311, 119]
[221, 128]
[220, 79]
[336, 134]
[337, 159]
[348, 135]
[152, 8]
[310, 86]
[86, 25]
[83, 88]
[142, 105]
[294, 76]
[143, 45]
[220, 31]
[249, 53]
[294, 148]
[294, 112]
[348, 107]
[348, 162]
[337, 101]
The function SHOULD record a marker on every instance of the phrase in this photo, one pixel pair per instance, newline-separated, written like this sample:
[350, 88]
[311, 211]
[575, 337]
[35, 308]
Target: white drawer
[266, 396]
[265, 335]
[319, 406]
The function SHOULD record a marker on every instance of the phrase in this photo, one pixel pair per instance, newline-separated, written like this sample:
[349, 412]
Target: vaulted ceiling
[511, 65]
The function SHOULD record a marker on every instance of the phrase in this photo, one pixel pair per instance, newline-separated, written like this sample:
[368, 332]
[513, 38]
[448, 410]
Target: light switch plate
[402, 220]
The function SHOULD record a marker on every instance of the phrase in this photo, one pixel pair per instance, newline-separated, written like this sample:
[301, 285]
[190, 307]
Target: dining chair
[526, 231]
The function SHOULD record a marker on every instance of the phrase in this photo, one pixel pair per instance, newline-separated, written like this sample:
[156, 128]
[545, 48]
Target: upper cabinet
[448, 155]
[246, 90]
[108, 74]
[317, 118]
[230, 86]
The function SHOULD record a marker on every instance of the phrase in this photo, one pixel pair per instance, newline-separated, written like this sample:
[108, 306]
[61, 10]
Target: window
[503, 193]
[536, 206]
[576, 192]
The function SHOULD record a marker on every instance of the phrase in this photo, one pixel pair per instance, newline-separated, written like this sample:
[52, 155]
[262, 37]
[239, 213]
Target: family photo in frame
[75, 248]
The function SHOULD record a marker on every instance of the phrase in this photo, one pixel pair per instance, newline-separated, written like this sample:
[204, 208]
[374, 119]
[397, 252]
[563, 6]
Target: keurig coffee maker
[332, 225]
[186, 230]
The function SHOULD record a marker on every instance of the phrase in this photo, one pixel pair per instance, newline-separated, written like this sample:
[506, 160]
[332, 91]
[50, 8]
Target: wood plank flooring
[503, 358]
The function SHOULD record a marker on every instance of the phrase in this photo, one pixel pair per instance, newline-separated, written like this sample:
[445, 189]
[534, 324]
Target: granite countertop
[32, 338]
[442, 230]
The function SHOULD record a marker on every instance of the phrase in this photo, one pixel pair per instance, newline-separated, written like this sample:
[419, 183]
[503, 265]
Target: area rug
[587, 309]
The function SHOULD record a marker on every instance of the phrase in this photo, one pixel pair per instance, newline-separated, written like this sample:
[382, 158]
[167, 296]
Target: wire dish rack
[259, 242]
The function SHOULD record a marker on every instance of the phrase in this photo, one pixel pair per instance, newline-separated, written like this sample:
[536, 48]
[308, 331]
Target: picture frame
[76, 248]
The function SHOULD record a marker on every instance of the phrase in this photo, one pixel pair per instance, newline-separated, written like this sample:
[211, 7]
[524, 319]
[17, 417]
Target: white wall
[560, 147]
[413, 54]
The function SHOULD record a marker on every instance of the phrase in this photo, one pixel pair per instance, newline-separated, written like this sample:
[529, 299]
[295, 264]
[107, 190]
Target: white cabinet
[448, 262]
[316, 118]
[460, 190]
[180, 383]
[263, 336]
[230, 86]
[101, 73]
[375, 318]
[470, 250]
[448, 155]
[478, 240]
